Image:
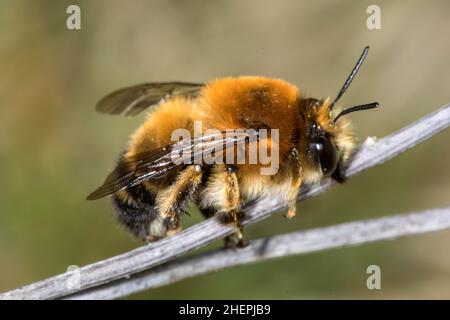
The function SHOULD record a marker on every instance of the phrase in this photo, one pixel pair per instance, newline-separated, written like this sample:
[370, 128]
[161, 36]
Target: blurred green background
[54, 148]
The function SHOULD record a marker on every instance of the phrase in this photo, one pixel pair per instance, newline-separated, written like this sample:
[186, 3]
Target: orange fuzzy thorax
[249, 102]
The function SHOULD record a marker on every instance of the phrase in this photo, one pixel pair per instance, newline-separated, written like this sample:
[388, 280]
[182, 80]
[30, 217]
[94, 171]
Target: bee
[151, 191]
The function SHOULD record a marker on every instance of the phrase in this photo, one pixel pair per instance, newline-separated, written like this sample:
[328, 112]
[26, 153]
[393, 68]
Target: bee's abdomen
[135, 209]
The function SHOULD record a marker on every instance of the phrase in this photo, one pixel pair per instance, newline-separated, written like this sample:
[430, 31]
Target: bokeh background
[54, 148]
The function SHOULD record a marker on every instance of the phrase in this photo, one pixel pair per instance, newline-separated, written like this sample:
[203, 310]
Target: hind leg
[172, 202]
[221, 196]
[151, 214]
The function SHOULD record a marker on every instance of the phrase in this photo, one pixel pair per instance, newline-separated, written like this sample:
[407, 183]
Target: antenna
[351, 76]
[360, 107]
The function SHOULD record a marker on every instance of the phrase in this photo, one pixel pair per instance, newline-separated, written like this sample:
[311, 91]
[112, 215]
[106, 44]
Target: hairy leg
[172, 202]
[221, 196]
[295, 185]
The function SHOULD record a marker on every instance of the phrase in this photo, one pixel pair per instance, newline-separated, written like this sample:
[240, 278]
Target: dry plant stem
[157, 253]
[342, 235]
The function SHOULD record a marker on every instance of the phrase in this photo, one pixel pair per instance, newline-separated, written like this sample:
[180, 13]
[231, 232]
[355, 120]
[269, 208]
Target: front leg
[292, 200]
[294, 188]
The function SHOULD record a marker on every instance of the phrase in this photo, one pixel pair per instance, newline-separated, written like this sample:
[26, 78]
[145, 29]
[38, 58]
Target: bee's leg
[172, 202]
[295, 185]
[292, 198]
[234, 240]
[231, 206]
[221, 195]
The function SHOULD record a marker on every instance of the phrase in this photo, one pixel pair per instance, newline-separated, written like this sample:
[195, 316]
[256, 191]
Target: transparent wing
[157, 164]
[132, 100]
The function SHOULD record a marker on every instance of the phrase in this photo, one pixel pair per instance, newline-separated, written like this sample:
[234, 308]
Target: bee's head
[326, 143]
[322, 149]
[329, 138]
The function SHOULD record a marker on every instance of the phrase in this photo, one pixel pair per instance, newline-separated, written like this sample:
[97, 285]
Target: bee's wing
[157, 164]
[132, 100]
[126, 172]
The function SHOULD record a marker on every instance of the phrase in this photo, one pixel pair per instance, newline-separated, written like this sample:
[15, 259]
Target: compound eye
[326, 154]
